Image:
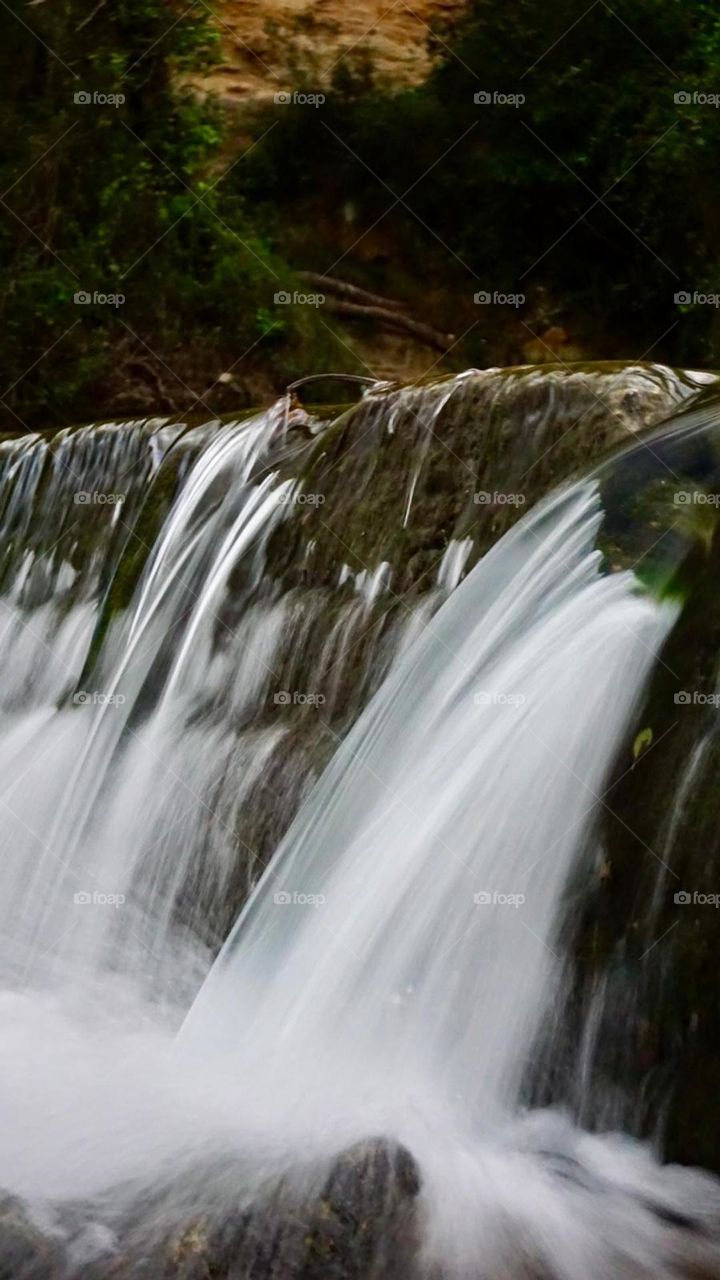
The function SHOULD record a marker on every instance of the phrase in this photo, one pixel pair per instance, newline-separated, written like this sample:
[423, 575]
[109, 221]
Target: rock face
[360, 1227]
[25, 1253]
[364, 1223]
[357, 1221]
[264, 41]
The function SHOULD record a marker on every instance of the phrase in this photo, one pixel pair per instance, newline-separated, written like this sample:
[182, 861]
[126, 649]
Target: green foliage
[600, 194]
[112, 181]
[642, 741]
[601, 154]
[600, 188]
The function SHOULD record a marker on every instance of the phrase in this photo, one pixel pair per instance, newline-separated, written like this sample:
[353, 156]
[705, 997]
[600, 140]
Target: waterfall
[409, 916]
[81, 804]
[232, 695]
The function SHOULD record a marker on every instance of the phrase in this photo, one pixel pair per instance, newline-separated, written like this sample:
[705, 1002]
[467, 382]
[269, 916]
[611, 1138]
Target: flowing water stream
[428, 783]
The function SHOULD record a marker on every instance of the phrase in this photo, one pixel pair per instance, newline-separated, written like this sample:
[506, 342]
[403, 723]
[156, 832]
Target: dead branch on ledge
[349, 300]
[351, 292]
[395, 322]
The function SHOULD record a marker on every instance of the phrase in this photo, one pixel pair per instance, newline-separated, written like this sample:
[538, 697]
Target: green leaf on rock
[642, 742]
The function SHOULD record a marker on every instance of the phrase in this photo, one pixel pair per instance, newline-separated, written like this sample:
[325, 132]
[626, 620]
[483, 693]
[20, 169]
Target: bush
[114, 186]
[600, 188]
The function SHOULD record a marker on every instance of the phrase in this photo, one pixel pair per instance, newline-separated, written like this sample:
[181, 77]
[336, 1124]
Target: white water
[388, 995]
[473, 774]
[93, 796]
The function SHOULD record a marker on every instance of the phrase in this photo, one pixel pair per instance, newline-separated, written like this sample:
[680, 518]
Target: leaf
[642, 742]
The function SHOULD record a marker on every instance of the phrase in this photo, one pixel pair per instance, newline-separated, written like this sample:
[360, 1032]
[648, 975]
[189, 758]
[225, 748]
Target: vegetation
[597, 198]
[111, 176]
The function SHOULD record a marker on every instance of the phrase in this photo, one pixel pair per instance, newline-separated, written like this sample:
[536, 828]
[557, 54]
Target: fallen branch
[394, 321]
[341, 289]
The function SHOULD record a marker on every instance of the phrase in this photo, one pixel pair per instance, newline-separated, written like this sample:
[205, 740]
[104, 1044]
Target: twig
[341, 288]
[394, 321]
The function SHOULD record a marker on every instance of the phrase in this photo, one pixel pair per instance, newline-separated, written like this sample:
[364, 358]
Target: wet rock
[25, 1253]
[360, 1226]
[357, 1221]
[364, 1223]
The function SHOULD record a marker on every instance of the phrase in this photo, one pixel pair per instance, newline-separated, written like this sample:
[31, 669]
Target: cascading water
[434, 899]
[85, 749]
[391, 972]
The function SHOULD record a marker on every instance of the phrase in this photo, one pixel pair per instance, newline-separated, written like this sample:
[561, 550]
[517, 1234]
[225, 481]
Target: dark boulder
[357, 1221]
